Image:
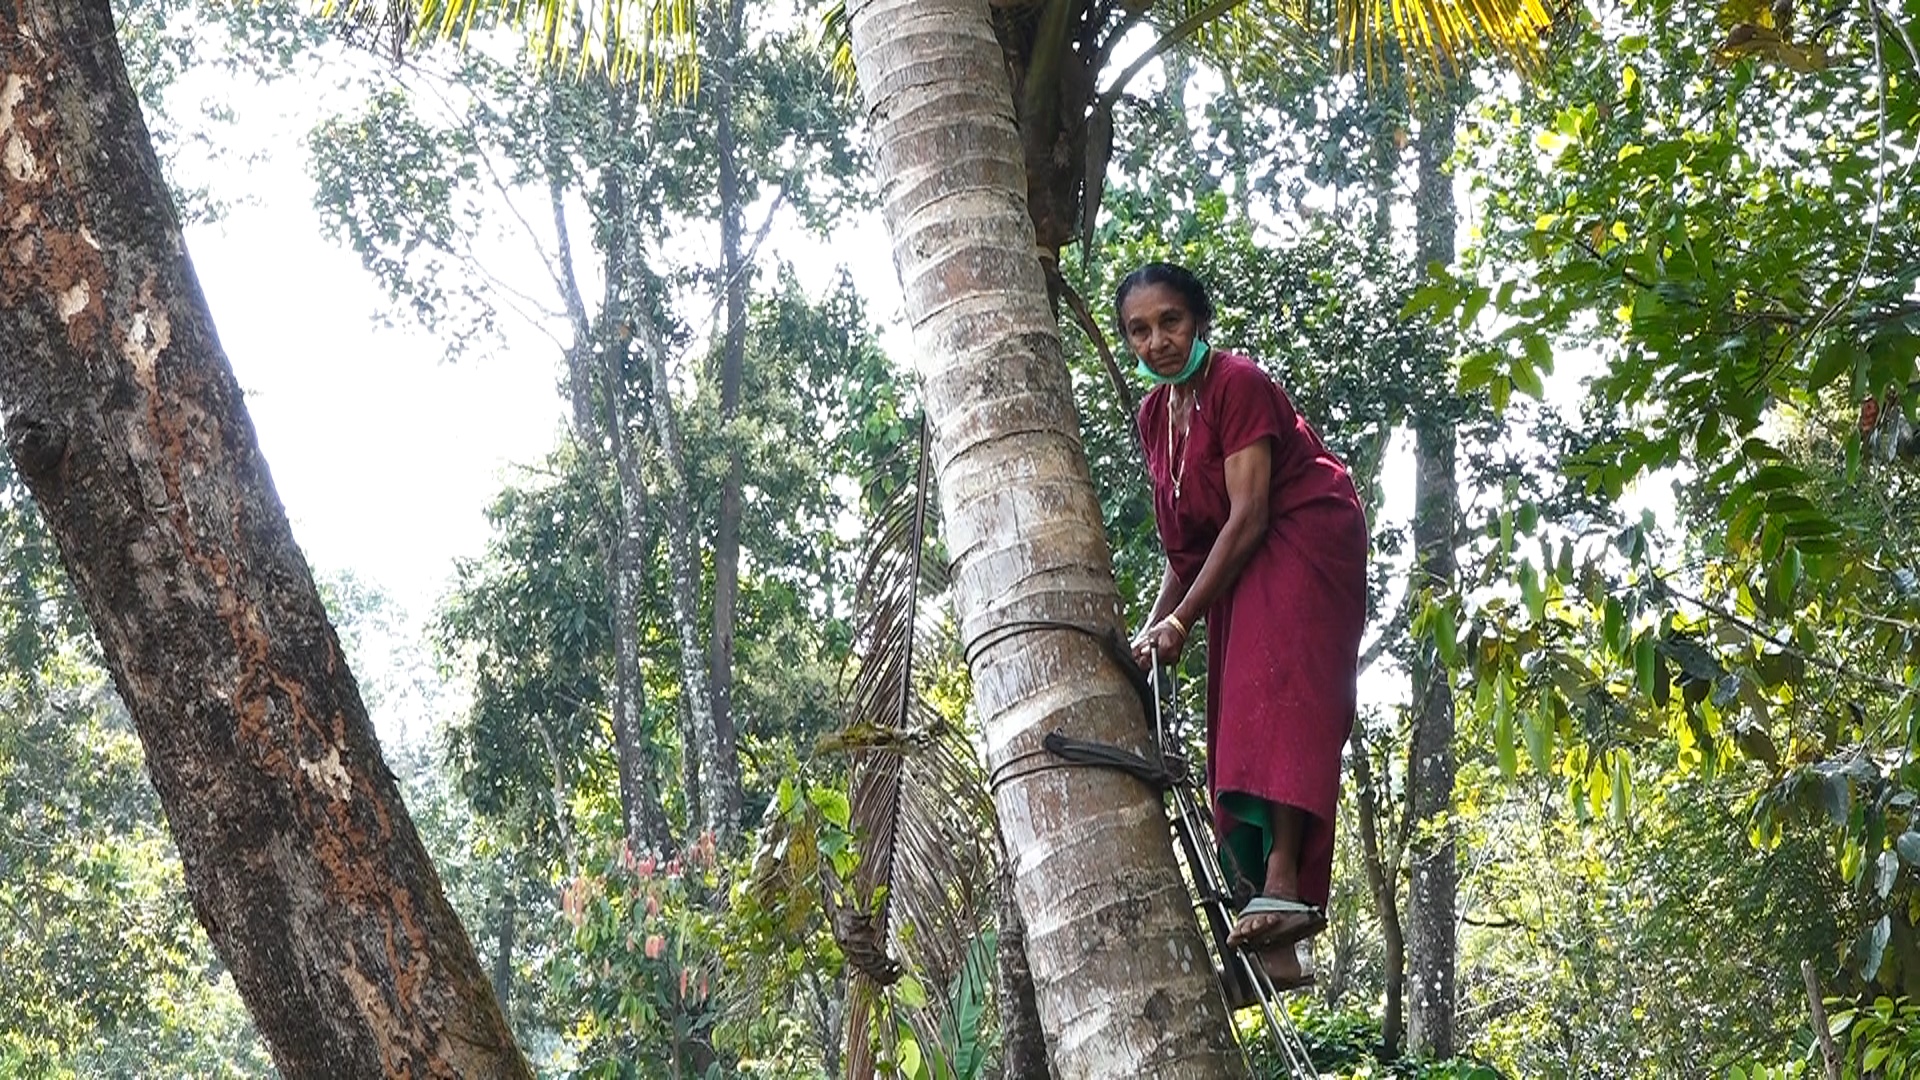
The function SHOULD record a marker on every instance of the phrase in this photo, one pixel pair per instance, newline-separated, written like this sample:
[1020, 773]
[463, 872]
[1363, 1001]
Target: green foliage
[646, 957]
[166, 41]
[1882, 1039]
[421, 185]
[1652, 218]
[1346, 1044]
[1591, 931]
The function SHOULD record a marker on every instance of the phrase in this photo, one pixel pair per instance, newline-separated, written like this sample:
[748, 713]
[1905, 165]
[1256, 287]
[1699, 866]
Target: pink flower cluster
[575, 895]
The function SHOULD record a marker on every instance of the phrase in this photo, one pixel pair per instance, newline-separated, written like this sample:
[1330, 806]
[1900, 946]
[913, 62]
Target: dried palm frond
[381, 27]
[919, 809]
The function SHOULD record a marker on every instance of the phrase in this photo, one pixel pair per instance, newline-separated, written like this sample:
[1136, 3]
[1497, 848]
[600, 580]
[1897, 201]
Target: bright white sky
[385, 454]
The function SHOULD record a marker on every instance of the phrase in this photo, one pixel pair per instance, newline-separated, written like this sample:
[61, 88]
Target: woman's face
[1160, 327]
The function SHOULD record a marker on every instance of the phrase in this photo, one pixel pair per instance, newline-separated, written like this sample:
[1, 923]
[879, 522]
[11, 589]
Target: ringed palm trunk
[129, 428]
[1121, 975]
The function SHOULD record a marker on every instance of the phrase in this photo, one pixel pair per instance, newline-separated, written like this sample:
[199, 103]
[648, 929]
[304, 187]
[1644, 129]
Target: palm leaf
[919, 806]
[650, 41]
[836, 32]
[1308, 37]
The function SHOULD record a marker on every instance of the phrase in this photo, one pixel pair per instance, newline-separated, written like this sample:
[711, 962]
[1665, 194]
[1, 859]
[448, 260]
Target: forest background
[1592, 315]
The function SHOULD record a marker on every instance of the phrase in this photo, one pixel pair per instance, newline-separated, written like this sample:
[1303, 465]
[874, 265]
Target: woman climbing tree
[1266, 540]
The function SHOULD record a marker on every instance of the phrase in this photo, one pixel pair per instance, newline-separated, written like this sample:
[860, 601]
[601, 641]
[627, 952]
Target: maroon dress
[1283, 640]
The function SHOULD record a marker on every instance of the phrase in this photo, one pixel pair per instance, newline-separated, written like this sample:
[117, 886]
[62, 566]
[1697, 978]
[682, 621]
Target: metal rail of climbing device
[1193, 828]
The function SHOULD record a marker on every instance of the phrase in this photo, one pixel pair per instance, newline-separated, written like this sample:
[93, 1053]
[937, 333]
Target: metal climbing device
[1243, 978]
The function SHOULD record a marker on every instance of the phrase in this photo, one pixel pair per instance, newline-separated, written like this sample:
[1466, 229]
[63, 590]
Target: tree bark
[712, 768]
[1121, 977]
[127, 425]
[733, 354]
[1435, 872]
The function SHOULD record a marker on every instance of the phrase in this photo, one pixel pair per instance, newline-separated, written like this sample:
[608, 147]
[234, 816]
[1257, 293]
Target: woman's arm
[1249, 474]
[1171, 592]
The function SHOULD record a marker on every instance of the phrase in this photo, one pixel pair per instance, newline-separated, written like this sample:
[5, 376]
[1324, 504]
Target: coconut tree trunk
[1434, 873]
[127, 425]
[1121, 976]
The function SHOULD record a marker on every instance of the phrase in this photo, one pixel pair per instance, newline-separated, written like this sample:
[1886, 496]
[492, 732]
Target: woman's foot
[1272, 921]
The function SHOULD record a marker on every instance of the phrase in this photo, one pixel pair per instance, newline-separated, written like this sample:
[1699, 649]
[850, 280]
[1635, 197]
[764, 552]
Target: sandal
[1270, 921]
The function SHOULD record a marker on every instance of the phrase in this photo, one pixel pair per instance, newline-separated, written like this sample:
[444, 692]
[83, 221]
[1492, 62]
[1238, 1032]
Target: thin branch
[500, 185]
[1897, 624]
[1083, 316]
[1181, 31]
[1388, 632]
[1829, 1054]
[1134, 17]
[1501, 923]
[747, 258]
[1821, 662]
[1880, 175]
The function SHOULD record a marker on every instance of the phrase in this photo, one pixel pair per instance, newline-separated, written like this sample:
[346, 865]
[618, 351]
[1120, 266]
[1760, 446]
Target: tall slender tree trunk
[1435, 872]
[599, 432]
[127, 425]
[1121, 976]
[712, 769]
[506, 936]
[719, 776]
[733, 356]
[1383, 884]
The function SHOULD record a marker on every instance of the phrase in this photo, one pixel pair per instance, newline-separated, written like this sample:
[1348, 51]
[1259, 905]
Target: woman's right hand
[1162, 641]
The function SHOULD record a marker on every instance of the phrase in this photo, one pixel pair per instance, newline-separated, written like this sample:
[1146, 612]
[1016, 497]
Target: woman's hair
[1178, 278]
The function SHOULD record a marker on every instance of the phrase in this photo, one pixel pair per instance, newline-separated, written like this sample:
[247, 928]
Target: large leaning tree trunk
[129, 428]
[1122, 979]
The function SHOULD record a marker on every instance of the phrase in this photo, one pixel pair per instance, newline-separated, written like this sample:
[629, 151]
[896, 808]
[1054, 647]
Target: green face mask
[1195, 356]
